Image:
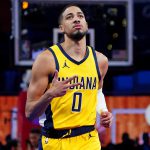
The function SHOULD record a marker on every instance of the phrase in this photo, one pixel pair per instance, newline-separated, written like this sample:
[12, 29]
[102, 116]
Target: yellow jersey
[78, 106]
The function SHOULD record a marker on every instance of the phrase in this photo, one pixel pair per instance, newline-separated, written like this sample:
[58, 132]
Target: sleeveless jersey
[78, 106]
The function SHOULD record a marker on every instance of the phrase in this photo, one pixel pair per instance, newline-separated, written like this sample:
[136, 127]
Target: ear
[61, 28]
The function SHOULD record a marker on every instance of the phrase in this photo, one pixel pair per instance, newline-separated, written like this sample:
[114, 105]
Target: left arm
[105, 115]
[101, 103]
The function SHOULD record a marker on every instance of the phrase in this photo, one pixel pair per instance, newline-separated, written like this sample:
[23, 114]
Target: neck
[77, 47]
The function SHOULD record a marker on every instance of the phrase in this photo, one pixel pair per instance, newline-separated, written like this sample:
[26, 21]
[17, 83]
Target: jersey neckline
[70, 58]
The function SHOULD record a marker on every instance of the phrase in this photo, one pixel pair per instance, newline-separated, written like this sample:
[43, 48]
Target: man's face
[34, 138]
[73, 23]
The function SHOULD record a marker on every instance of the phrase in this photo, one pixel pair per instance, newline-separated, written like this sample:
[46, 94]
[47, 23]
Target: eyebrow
[72, 13]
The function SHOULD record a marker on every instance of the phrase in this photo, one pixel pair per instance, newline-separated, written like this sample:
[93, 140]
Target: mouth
[77, 26]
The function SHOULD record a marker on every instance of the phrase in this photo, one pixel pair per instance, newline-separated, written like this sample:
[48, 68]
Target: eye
[69, 17]
[81, 16]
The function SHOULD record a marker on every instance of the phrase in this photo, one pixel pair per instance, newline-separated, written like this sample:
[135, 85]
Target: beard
[77, 36]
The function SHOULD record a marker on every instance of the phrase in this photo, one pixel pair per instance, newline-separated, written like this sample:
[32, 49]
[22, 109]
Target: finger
[105, 113]
[106, 126]
[70, 79]
[73, 85]
[106, 122]
[106, 116]
[105, 119]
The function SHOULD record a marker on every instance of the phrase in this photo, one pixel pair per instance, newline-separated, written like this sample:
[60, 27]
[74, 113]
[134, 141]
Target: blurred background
[120, 29]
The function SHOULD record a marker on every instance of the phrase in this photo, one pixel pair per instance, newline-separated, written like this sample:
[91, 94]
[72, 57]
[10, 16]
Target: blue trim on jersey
[96, 63]
[55, 58]
[40, 147]
[48, 123]
[71, 59]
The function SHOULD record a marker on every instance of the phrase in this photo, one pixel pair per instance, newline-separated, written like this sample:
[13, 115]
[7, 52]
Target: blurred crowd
[129, 144]
[31, 142]
[34, 136]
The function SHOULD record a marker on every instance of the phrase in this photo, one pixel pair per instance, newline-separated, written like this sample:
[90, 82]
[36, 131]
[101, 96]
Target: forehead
[33, 135]
[73, 10]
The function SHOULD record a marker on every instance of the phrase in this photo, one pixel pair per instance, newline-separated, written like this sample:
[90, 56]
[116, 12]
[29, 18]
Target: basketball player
[64, 86]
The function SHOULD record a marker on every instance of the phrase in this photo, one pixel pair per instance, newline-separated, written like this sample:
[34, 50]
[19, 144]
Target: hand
[106, 119]
[59, 88]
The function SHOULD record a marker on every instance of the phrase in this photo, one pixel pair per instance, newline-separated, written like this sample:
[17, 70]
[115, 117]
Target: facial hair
[77, 36]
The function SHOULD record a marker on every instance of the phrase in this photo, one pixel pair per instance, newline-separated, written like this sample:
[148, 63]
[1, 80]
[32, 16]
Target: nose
[76, 19]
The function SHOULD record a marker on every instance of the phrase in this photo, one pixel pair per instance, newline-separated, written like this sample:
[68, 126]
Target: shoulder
[45, 56]
[101, 58]
[45, 62]
[102, 63]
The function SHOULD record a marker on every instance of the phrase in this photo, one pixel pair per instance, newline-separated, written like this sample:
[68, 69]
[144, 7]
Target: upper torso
[78, 106]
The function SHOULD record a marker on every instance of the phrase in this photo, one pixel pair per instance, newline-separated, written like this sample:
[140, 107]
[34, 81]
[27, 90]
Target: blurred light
[104, 16]
[24, 31]
[112, 11]
[115, 35]
[124, 22]
[112, 22]
[25, 13]
[35, 9]
[109, 46]
[25, 5]
[11, 37]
